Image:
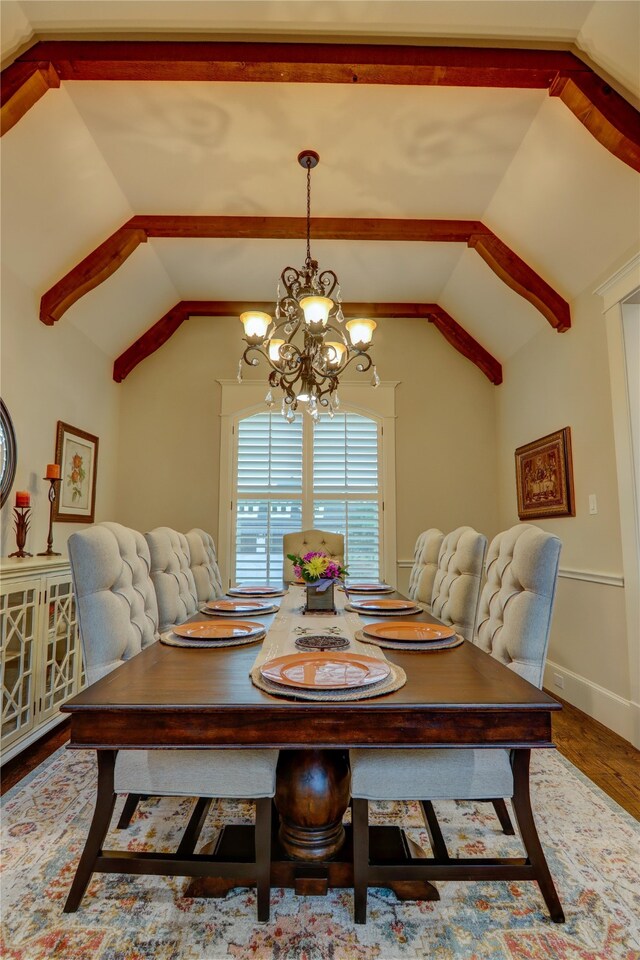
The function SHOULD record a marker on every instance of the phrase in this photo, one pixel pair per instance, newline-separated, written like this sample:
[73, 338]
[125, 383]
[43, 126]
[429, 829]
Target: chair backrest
[456, 585]
[115, 598]
[425, 565]
[305, 541]
[517, 599]
[171, 575]
[204, 565]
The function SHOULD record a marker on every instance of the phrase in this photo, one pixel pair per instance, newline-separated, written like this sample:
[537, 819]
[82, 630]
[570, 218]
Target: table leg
[521, 802]
[105, 802]
[312, 794]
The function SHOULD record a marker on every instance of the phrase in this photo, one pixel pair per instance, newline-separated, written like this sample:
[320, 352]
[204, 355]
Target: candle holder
[50, 552]
[23, 518]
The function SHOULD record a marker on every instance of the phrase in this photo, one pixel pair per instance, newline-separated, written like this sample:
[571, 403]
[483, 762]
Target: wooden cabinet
[41, 659]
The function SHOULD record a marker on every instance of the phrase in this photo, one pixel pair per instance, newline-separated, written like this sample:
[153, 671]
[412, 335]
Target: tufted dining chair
[456, 584]
[304, 541]
[172, 577]
[118, 617]
[513, 626]
[425, 566]
[204, 565]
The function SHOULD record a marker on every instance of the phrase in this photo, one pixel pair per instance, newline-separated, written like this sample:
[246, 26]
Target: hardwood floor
[607, 759]
[602, 755]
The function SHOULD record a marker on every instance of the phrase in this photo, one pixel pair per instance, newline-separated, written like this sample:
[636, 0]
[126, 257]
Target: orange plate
[384, 605]
[401, 630]
[237, 606]
[224, 630]
[325, 670]
[368, 588]
[254, 591]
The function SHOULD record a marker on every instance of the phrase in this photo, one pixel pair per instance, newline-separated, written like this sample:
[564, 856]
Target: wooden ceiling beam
[611, 119]
[102, 262]
[166, 326]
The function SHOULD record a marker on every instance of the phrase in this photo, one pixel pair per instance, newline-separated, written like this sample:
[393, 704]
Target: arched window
[299, 476]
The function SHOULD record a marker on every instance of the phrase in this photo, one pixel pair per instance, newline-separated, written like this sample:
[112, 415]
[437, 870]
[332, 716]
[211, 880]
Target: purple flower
[333, 571]
[298, 571]
[314, 553]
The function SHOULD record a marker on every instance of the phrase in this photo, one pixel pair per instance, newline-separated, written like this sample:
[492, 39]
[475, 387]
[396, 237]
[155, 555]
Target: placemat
[383, 613]
[396, 679]
[171, 640]
[415, 647]
[280, 640]
[232, 613]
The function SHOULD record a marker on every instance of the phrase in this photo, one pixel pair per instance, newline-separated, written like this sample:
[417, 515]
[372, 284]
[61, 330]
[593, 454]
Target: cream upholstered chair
[456, 585]
[513, 626]
[305, 541]
[171, 576]
[204, 565]
[425, 566]
[118, 617]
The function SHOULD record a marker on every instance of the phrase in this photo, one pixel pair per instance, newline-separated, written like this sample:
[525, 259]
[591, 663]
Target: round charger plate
[414, 647]
[238, 607]
[262, 612]
[325, 671]
[229, 630]
[320, 642]
[382, 613]
[409, 632]
[367, 588]
[385, 606]
[255, 591]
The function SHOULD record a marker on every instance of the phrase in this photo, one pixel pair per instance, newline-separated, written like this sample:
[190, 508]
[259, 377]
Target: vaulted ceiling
[90, 155]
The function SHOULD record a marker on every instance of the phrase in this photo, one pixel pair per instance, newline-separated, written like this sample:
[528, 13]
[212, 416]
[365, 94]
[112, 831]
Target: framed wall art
[544, 477]
[77, 454]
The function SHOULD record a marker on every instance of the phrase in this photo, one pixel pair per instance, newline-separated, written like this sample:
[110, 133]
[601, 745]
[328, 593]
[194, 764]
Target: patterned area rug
[592, 845]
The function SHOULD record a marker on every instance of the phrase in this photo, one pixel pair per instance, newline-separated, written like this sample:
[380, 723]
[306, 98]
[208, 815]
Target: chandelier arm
[360, 367]
[340, 333]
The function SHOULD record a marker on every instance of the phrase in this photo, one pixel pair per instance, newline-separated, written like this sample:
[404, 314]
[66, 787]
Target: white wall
[49, 374]
[170, 430]
[559, 380]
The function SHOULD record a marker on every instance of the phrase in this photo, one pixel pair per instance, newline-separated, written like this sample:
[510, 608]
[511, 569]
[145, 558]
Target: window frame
[245, 399]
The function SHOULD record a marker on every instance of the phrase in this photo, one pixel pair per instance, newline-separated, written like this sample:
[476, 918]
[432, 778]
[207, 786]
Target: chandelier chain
[308, 209]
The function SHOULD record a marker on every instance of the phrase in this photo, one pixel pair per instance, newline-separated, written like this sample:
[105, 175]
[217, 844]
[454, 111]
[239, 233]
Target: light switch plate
[593, 503]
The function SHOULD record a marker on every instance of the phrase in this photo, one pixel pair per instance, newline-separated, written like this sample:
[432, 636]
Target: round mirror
[8, 453]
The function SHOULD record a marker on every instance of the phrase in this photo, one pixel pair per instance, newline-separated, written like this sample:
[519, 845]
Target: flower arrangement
[315, 566]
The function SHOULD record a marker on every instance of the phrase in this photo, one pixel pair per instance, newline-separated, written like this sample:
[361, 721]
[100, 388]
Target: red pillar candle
[53, 471]
[23, 498]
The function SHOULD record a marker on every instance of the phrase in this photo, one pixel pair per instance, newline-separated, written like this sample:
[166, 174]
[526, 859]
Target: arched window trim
[241, 400]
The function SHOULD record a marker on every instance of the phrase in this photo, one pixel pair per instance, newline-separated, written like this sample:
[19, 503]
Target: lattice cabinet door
[18, 644]
[60, 668]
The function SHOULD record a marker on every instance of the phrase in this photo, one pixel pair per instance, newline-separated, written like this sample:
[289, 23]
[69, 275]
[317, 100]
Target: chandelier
[305, 344]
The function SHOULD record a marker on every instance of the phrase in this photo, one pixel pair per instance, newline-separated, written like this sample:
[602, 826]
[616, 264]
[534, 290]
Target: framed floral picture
[77, 454]
[544, 477]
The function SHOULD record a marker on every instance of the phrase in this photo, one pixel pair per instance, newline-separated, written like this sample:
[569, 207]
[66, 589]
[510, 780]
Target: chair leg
[360, 814]
[436, 839]
[524, 816]
[130, 804]
[263, 857]
[194, 827]
[502, 814]
[105, 802]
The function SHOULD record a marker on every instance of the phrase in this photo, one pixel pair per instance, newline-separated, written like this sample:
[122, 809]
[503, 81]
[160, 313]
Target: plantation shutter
[280, 489]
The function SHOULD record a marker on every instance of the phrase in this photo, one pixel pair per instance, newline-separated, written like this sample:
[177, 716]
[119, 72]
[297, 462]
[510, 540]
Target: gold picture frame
[544, 477]
[77, 454]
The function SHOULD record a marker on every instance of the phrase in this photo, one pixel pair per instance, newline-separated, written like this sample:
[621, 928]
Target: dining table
[167, 697]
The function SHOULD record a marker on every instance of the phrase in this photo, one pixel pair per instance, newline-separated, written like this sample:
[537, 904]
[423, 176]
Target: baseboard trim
[620, 715]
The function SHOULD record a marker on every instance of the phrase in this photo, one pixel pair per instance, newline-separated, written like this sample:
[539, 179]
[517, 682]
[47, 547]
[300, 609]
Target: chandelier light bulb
[335, 352]
[316, 311]
[255, 324]
[274, 350]
[361, 332]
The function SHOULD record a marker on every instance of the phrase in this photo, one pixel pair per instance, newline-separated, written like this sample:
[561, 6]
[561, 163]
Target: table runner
[289, 623]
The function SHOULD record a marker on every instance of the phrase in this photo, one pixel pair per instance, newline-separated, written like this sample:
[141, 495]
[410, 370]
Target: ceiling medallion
[307, 371]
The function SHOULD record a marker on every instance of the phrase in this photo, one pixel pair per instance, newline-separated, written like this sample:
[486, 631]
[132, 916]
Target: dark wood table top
[176, 697]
